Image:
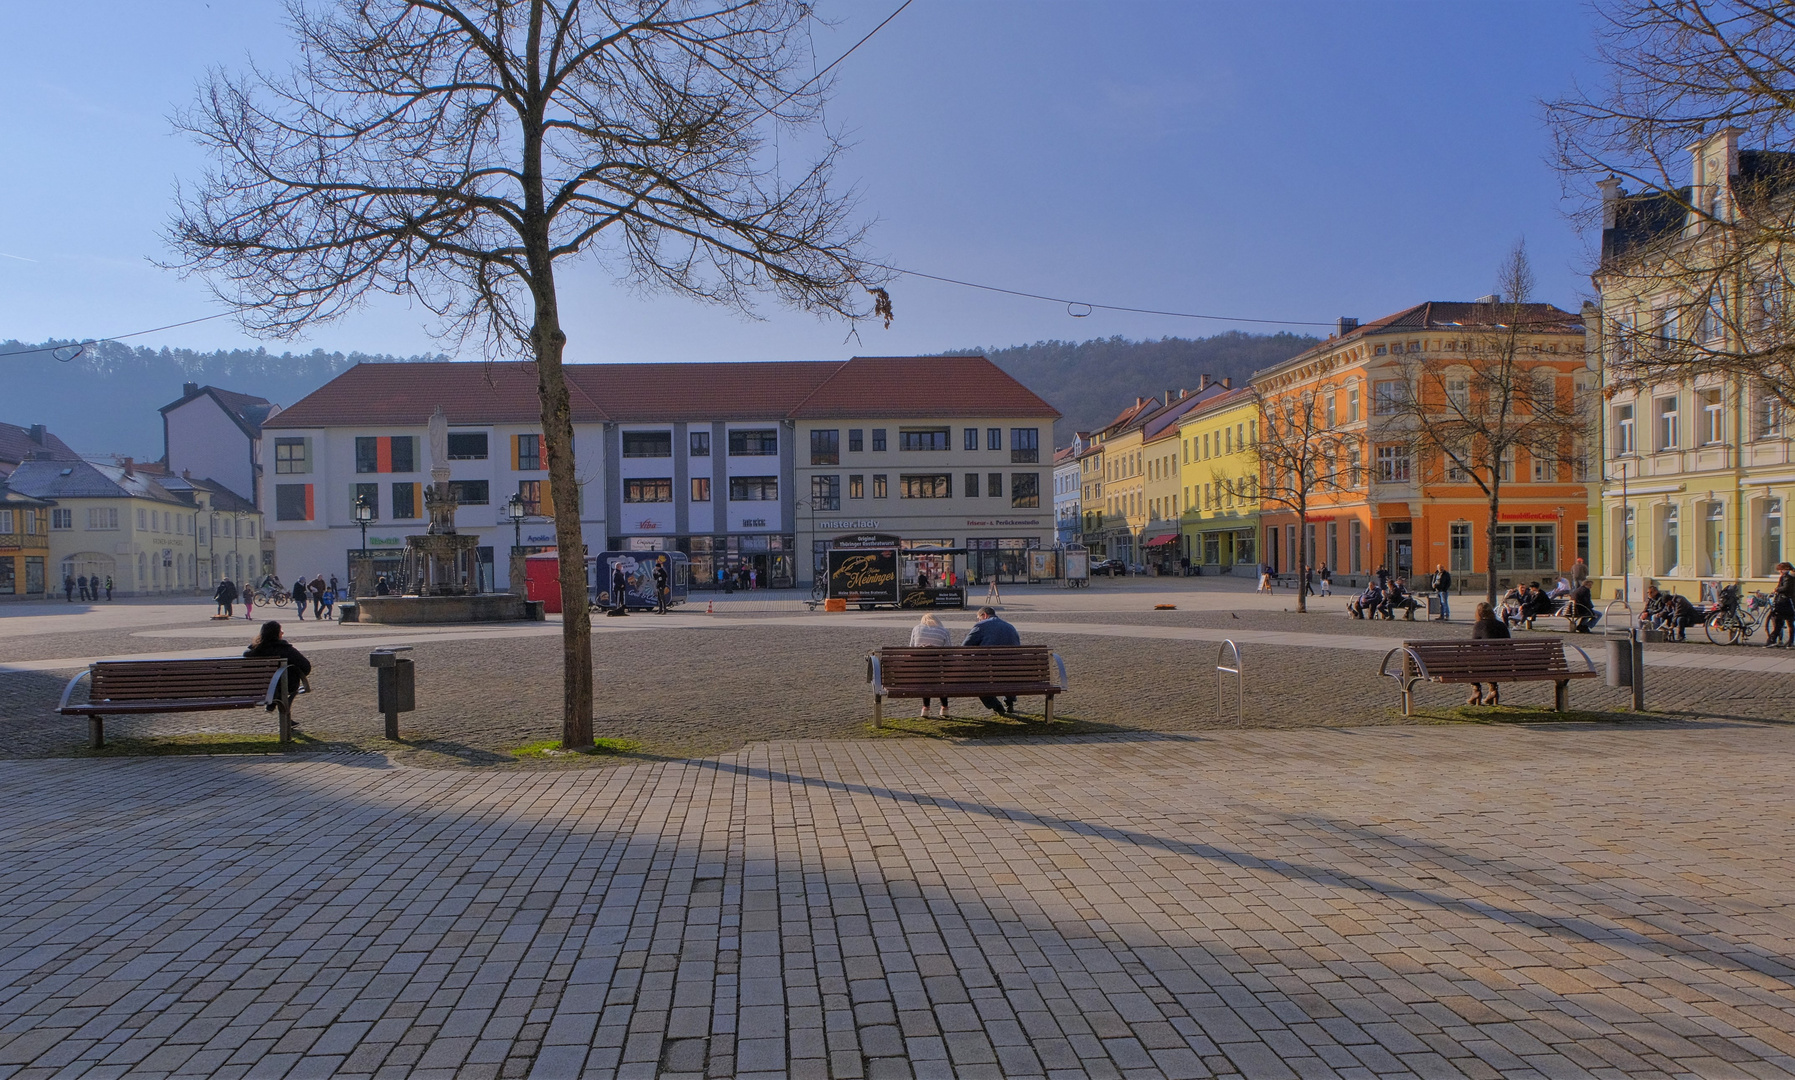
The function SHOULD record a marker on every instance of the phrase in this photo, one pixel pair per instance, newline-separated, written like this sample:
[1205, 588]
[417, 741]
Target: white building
[716, 460]
[1068, 493]
[217, 434]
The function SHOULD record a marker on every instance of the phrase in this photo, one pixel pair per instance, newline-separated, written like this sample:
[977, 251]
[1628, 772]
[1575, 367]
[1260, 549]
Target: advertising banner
[1043, 563]
[864, 575]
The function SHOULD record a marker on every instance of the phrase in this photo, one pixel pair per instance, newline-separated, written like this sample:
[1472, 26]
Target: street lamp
[516, 511]
[364, 513]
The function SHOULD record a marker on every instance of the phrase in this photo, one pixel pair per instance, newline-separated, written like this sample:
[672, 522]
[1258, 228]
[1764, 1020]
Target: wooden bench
[902, 672]
[1490, 661]
[125, 687]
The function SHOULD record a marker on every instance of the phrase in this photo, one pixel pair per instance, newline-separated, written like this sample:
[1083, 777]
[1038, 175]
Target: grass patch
[549, 749]
[199, 743]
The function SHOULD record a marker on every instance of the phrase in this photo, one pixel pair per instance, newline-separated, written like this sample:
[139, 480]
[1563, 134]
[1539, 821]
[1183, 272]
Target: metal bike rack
[1240, 685]
[1626, 652]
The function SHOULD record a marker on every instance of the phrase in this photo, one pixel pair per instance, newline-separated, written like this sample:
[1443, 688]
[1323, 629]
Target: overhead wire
[1088, 305]
[81, 346]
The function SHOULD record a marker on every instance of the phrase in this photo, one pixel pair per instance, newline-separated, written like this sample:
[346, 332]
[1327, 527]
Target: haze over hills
[105, 400]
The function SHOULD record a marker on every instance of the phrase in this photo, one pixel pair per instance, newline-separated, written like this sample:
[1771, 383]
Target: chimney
[189, 389]
[186, 474]
[129, 465]
[1347, 325]
[1139, 401]
[1202, 382]
[37, 434]
[1228, 383]
[1611, 195]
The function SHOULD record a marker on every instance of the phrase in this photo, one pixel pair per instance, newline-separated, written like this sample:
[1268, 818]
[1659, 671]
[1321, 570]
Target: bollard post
[1638, 674]
[396, 684]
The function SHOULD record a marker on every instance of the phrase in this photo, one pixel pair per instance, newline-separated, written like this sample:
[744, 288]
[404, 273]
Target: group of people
[743, 577]
[1385, 596]
[663, 588]
[988, 631]
[1529, 600]
[88, 587]
[319, 593]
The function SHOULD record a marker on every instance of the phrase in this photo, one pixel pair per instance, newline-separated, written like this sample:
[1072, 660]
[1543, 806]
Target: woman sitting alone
[269, 642]
[1486, 626]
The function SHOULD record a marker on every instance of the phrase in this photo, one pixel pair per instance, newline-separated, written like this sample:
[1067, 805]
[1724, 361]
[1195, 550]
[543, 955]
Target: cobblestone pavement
[1545, 901]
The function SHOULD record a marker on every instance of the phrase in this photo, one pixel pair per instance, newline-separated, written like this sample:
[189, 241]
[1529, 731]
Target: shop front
[1162, 552]
[740, 561]
[1003, 559]
[1220, 551]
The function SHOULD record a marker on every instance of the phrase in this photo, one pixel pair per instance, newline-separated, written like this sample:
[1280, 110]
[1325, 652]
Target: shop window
[1025, 490]
[367, 454]
[1025, 445]
[648, 444]
[856, 486]
[529, 453]
[370, 492]
[292, 456]
[657, 489]
[994, 485]
[405, 501]
[878, 440]
[467, 446]
[856, 440]
[879, 486]
[753, 488]
[922, 438]
[925, 485]
[972, 485]
[699, 443]
[471, 492]
[529, 492]
[701, 489]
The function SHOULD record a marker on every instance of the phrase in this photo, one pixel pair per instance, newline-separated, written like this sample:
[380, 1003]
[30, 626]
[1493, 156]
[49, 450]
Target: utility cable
[81, 346]
[1072, 306]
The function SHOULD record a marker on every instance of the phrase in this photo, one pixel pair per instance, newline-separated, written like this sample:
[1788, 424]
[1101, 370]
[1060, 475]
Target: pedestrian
[109, 587]
[619, 587]
[317, 591]
[334, 587]
[991, 632]
[225, 596]
[81, 586]
[381, 588]
[754, 578]
[1327, 580]
[68, 588]
[929, 633]
[1579, 573]
[330, 601]
[1782, 610]
[662, 589]
[300, 596]
[1486, 627]
[269, 642]
[1441, 584]
[1265, 579]
[249, 600]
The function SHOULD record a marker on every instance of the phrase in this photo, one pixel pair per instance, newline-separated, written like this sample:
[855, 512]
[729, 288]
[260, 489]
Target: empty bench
[135, 687]
[1015, 671]
[1502, 660]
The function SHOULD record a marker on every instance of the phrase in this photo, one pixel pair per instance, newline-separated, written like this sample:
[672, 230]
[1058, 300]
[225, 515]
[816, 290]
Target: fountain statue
[441, 562]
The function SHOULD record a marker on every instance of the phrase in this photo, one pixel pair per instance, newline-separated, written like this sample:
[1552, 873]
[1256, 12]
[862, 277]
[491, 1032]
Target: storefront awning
[1161, 540]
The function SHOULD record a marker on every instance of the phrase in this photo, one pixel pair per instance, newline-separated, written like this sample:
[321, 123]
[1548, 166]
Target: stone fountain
[442, 580]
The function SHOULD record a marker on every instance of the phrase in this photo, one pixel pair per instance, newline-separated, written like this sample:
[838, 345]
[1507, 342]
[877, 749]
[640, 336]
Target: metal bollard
[396, 683]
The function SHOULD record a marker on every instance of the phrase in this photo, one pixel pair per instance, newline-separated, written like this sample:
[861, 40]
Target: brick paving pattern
[1541, 901]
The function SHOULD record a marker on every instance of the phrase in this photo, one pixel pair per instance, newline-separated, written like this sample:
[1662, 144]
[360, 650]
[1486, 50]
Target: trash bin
[396, 684]
[1620, 660]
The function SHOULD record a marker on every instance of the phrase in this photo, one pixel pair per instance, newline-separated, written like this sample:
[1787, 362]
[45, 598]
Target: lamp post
[515, 510]
[364, 513]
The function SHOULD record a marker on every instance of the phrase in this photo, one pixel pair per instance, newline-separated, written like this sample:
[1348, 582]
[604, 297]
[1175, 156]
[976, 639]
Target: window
[994, 485]
[878, 439]
[529, 453]
[8, 583]
[1545, 390]
[1025, 489]
[367, 454]
[825, 493]
[471, 492]
[1506, 465]
[1669, 538]
[1766, 415]
[1456, 458]
[106, 517]
[1526, 547]
[292, 456]
[370, 492]
[1458, 393]
[753, 489]
[1389, 395]
[1770, 533]
[292, 502]
[529, 492]
[701, 489]
[61, 520]
[1461, 547]
[405, 501]
[700, 443]
[1667, 423]
[647, 444]
[972, 485]
[467, 446]
[7, 525]
[1025, 445]
[994, 438]
[878, 485]
[856, 486]
[655, 489]
[405, 453]
[1333, 408]
[825, 447]
[924, 438]
[856, 440]
[1392, 465]
[754, 442]
[143, 520]
[1713, 421]
[1624, 441]
[1714, 535]
[1545, 468]
[971, 439]
[925, 485]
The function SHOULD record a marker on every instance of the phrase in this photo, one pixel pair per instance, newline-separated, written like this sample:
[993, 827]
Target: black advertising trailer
[876, 570]
[638, 572]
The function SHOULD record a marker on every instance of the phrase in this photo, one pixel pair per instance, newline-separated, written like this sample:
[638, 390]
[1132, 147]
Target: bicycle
[1733, 625]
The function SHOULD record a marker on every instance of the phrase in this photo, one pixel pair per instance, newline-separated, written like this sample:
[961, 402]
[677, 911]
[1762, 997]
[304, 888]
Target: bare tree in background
[1698, 276]
[1299, 458]
[1495, 396]
[457, 152]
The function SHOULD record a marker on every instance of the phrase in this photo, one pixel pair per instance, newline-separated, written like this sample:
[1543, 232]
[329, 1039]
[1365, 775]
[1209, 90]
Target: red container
[542, 580]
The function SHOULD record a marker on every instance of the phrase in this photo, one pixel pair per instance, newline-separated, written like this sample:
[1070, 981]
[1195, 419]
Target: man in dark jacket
[1583, 608]
[661, 587]
[1441, 584]
[619, 585]
[225, 595]
[991, 632]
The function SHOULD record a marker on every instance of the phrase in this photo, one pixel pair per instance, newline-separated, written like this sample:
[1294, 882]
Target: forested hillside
[105, 400]
[1091, 381]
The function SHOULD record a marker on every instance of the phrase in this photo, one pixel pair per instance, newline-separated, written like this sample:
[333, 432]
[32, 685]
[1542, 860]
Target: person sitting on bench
[992, 632]
[1366, 604]
[1397, 597]
[269, 642]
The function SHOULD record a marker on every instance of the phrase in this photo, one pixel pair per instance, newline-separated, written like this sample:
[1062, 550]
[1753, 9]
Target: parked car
[1112, 567]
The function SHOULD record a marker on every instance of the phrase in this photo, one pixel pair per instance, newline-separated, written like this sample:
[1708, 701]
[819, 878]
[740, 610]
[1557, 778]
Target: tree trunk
[570, 549]
[1489, 552]
[1302, 548]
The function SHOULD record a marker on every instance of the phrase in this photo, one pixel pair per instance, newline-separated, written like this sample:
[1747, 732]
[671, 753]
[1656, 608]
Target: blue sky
[1266, 160]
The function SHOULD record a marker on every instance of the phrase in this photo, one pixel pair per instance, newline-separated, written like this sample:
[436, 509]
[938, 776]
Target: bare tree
[457, 152]
[1694, 272]
[1492, 398]
[1299, 456]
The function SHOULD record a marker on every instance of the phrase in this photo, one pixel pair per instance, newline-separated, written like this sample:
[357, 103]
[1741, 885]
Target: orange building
[1394, 503]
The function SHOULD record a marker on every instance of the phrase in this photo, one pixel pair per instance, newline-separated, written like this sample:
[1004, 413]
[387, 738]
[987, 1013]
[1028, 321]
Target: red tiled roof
[922, 386]
[506, 393]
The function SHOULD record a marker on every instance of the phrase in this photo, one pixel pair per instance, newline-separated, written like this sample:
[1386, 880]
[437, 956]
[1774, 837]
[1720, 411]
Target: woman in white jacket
[930, 632]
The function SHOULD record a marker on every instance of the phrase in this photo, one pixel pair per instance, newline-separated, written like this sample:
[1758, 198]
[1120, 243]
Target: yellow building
[1161, 542]
[24, 545]
[1216, 463]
